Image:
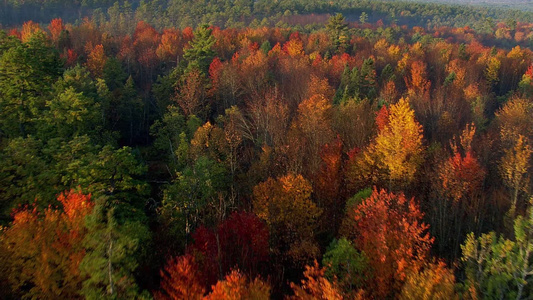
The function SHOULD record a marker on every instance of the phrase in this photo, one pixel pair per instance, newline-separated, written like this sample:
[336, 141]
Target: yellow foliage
[399, 144]
[515, 165]
[435, 282]
[285, 205]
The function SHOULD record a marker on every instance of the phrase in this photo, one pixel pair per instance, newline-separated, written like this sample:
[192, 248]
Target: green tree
[345, 264]
[337, 27]
[201, 53]
[116, 241]
[27, 72]
[501, 268]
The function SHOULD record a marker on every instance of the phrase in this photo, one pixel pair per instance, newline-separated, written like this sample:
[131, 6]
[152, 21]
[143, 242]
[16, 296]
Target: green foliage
[195, 192]
[200, 54]
[500, 268]
[27, 72]
[358, 198]
[338, 30]
[70, 114]
[344, 263]
[114, 75]
[116, 241]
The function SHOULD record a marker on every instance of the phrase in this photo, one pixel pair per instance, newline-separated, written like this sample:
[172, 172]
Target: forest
[307, 155]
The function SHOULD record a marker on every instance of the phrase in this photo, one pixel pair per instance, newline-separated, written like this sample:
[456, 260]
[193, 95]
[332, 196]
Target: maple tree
[315, 285]
[237, 286]
[56, 27]
[180, 279]
[96, 61]
[240, 241]
[43, 250]
[390, 231]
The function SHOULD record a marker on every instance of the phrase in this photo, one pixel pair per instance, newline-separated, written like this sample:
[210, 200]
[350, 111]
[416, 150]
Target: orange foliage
[180, 279]
[190, 93]
[170, 47]
[382, 118]
[389, 231]
[215, 72]
[236, 286]
[96, 61]
[418, 83]
[461, 176]
[45, 249]
[56, 27]
[145, 43]
[285, 205]
[315, 286]
[294, 47]
[29, 28]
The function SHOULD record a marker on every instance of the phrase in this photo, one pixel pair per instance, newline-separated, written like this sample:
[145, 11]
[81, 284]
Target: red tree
[390, 232]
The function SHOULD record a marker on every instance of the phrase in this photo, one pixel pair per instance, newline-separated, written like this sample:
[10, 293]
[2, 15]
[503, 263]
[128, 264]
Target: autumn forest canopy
[265, 150]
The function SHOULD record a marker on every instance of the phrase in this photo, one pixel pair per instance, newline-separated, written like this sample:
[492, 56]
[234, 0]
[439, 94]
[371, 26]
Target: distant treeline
[242, 13]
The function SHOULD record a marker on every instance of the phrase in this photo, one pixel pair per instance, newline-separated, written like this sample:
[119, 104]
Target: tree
[56, 28]
[116, 240]
[191, 92]
[71, 114]
[27, 72]
[434, 282]
[200, 53]
[180, 279]
[171, 48]
[347, 265]
[390, 233]
[29, 29]
[240, 241]
[315, 286]
[43, 250]
[312, 128]
[514, 120]
[237, 286]
[398, 146]
[500, 268]
[338, 29]
[96, 61]
[514, 168]
[286, 207]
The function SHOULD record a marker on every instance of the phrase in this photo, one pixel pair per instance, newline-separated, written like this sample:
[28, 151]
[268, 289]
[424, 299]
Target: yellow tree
[514, 168]
[398, 146]
[435, 282]
[285, 205]
[514, 118]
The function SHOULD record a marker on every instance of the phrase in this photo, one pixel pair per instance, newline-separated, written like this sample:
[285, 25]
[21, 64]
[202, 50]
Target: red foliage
[382, 117]
[461, 176]
[390, 232]
[239, 241]
[215, 71]
[47, 248]
[145, 43]
[56, 27]
[180, 279]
